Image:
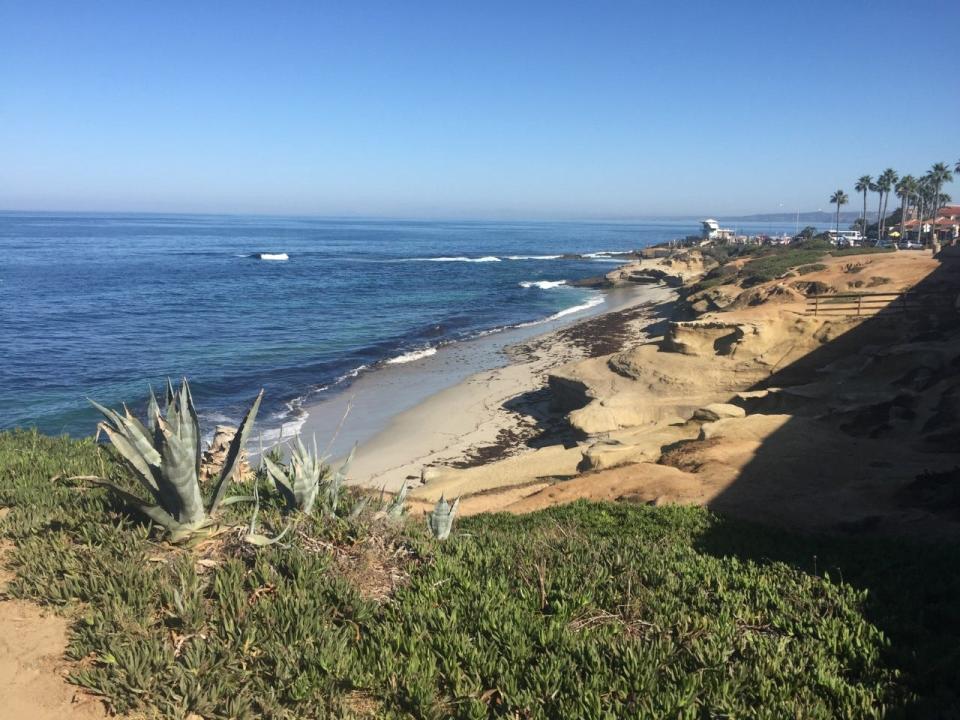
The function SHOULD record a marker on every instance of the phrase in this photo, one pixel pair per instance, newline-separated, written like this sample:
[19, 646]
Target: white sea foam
[543, 284]
[271, 256]
[347, 376]
[534, 257]
[590, 303]
[606, 253]
[286, 431]
[461, 258]
[412, 355]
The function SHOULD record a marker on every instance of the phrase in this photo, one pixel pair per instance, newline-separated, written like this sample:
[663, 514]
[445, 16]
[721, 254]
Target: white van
[845, 238]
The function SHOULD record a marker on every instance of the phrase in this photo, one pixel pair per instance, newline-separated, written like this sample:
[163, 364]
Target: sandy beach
[504, 411]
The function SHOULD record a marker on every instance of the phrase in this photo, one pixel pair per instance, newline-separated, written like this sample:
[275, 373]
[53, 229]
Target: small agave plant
[440, 521]
[307, 477]
[396, 507]
[164, 455]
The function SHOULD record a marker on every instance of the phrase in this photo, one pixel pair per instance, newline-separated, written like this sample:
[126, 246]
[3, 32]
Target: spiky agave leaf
[307, 469]
[153, 412]
[359, 507]
[134, 448]
[440, 521]
[179, 471]
[170, 397]
[335, 486]
[398, 504]
[280, 480]
[233, 454]
[154, 512]
[252, 536]
[189, 422]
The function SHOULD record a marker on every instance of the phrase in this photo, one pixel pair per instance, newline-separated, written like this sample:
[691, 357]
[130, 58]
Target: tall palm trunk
[904, 206]
[883, 216]
[863, 225]
[920, 210]
[879, 213]
[933, 216]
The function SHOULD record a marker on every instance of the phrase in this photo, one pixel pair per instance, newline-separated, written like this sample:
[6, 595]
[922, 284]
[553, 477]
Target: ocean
[101, 306]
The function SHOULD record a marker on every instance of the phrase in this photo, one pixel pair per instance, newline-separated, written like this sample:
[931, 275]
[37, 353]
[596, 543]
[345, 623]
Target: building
[947, 225]
[712, 232]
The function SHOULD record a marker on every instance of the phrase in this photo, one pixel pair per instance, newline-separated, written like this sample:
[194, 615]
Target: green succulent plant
[396, 507]
[440, 521]
[307, 477]
[164, 455]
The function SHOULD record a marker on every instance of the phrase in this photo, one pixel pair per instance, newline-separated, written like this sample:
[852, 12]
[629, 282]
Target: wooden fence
[837, 304]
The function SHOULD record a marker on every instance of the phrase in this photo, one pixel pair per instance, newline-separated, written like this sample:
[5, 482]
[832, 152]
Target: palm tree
[863, 186]
[939, 175]
[875, 187]
[838, 198]
[885, 184]
[924, 200]
[906, 189]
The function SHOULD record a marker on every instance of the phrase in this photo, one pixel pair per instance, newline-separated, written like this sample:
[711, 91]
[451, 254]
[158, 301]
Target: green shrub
[769, 267]
[860, 251]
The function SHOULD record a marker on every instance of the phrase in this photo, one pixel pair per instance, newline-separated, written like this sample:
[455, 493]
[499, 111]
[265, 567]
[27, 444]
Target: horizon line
[611, 219]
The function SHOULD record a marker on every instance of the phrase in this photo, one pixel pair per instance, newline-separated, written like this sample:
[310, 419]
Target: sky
[515, 110]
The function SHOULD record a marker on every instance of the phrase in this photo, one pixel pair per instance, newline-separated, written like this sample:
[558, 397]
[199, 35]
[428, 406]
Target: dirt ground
[33, 669]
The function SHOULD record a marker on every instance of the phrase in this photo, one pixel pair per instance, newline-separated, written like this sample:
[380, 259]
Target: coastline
[635, 404]
[449, 407]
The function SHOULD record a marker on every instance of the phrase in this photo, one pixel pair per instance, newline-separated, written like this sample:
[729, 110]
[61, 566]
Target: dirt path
[32, 665]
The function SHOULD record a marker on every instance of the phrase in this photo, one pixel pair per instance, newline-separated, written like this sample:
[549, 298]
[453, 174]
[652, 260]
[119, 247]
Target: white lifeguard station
[710, 231]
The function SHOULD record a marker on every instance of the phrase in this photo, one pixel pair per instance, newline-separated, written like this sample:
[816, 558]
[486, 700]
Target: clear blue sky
[483, 109]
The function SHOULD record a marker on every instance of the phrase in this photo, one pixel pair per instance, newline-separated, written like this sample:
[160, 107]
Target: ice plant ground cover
[587, 610]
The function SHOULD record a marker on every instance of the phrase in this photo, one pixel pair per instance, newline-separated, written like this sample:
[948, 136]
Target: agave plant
[164, 455]
[397, 505]
[440, 521]
[306, 477]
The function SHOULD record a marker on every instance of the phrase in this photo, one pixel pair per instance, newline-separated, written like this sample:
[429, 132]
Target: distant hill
[817, 216]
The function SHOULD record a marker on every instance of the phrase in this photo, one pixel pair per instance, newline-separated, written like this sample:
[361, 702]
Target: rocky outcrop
[766, 294]
[674, 270]
[214, 456]
[704, 337]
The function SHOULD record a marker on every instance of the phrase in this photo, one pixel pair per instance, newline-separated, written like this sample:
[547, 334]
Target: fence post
[859, 304]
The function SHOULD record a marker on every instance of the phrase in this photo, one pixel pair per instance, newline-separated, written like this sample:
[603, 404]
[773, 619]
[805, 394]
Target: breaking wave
[534, 257]
[590, 303]
[460, 258]
[412, 355]
[543, 284]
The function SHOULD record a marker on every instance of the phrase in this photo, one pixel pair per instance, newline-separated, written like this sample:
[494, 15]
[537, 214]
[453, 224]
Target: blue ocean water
[101, 305]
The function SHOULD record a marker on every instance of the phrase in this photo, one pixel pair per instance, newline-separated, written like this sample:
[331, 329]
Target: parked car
[910, 245]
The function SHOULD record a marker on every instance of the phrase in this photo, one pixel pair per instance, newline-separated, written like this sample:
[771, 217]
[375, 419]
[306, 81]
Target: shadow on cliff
[913, 585]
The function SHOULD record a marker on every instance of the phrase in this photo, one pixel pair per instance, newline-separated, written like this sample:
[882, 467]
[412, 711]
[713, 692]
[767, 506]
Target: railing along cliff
[838, 304]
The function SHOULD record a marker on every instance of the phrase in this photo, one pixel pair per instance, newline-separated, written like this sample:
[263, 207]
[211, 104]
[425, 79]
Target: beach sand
[490, 414]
